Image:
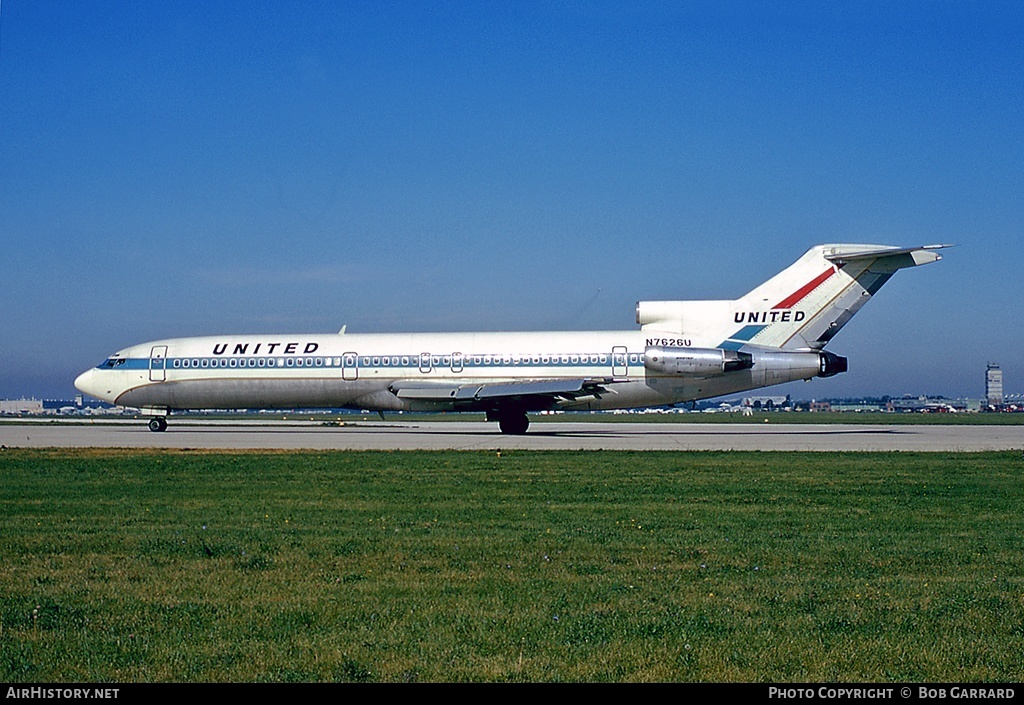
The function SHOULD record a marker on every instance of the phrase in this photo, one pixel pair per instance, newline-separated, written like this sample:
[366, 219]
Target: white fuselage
[359, 371]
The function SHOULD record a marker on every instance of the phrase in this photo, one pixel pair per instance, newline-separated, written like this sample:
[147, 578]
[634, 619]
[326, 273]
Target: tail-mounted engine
[780, 365]
[695, 362]
[830, 364]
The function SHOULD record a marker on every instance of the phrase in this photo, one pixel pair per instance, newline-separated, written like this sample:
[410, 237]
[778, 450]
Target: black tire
[158, 424]
[514, 424]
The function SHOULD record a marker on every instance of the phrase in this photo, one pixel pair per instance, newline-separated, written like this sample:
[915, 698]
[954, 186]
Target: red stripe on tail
[794, 298]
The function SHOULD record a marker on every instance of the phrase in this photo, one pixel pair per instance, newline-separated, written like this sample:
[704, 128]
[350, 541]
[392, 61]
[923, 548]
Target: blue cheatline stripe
[746, 332]
[327, 361]
[738, 339]
[130, 363]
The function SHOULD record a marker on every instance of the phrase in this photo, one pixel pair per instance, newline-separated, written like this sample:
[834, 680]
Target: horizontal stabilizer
[925, 254]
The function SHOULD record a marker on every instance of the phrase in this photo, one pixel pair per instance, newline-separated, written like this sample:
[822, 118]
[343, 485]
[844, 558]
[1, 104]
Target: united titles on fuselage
[269, 349]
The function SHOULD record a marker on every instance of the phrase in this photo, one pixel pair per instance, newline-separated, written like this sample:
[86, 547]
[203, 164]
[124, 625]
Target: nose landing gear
[158, 424]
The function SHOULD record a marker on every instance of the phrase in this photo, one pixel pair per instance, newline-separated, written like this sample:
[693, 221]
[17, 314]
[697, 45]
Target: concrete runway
[478, 435]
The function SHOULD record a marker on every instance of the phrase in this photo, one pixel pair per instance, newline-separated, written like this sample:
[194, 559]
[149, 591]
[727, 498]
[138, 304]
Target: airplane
[683, 351]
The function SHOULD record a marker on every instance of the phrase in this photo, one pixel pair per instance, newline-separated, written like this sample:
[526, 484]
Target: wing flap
[494, 391]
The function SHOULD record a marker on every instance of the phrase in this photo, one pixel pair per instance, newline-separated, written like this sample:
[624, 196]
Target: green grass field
[521, 566]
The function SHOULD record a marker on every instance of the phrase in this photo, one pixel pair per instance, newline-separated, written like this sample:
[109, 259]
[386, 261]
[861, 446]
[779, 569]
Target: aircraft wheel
[158, 424]
[514, 424]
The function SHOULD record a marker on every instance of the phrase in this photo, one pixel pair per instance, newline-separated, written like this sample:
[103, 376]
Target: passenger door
[350, 366]
[158, 363]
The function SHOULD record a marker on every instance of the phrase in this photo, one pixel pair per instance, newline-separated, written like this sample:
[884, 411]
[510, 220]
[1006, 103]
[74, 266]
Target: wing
[537, 394]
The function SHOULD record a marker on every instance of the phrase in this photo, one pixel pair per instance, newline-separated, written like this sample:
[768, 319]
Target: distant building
[768, 403]
[929, 405]
[994, 385]
[856, 406]
[21, 406]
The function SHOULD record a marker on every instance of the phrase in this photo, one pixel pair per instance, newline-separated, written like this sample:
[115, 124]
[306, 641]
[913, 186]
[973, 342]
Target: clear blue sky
[189, 168]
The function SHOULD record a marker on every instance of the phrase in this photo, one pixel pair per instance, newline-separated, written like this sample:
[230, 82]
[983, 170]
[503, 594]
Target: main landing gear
[513, 423]
[158, 424]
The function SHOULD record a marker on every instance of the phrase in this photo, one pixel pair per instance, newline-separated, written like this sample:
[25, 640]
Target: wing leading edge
[542, 393]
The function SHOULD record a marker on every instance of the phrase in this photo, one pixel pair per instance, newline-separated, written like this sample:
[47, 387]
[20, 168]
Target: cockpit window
[112, 362]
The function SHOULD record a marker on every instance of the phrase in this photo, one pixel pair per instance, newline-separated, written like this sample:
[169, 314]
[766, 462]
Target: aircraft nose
[90, 382]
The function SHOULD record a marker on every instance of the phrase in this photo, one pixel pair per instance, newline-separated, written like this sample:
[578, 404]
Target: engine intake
[696, 362]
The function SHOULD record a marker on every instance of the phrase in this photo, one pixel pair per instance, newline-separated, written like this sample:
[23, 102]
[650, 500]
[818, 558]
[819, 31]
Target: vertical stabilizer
[801, 308]
[804, 306]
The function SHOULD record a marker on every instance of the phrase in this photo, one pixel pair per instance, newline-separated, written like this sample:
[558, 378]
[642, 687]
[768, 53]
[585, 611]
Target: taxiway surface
[478, 435]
